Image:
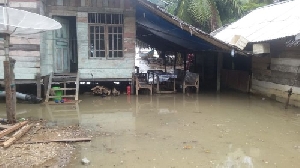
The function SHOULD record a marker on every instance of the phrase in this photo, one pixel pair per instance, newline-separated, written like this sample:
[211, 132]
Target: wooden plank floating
[12, 128]
[17, 135]
[60, 140]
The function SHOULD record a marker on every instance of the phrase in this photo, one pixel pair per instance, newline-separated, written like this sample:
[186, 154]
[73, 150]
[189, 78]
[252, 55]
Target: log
[12, 128]
[17, 135]
[60, 140]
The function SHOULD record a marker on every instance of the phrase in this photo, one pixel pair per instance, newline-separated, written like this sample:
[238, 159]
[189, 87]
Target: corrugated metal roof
[266, 23]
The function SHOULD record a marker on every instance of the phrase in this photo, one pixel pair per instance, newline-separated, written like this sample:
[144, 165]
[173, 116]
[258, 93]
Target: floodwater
[227, 130]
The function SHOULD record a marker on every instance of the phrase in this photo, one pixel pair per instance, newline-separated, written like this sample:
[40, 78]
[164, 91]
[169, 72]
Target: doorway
[65, 45]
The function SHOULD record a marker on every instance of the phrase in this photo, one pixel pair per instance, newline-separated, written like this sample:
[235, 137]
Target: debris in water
[85, 161]
[187, 147]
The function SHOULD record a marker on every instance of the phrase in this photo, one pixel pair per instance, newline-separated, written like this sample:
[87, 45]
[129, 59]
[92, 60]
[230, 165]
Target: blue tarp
[158, 32]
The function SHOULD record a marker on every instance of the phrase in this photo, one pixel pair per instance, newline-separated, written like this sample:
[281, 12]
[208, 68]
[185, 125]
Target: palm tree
[208, 14]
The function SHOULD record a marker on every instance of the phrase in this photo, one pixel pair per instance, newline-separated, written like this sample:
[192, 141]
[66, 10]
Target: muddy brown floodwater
[227, 130]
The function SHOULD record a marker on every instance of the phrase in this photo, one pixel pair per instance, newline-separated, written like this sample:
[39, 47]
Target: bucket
[57, 93]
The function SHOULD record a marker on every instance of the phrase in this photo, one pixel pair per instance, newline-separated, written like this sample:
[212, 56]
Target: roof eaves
[187, 27]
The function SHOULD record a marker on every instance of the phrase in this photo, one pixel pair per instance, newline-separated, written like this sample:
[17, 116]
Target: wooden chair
[191, 79]
[141, 83]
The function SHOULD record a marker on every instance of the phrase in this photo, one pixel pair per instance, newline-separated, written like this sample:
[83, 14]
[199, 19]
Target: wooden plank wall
[274, 74]
[100, 68]
[26, 51]
[235, 79]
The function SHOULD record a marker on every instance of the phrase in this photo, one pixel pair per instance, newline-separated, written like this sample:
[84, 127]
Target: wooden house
[271, 35]
[98, 37]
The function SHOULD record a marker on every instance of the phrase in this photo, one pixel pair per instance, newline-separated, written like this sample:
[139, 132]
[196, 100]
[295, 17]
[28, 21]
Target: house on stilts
[97, 43]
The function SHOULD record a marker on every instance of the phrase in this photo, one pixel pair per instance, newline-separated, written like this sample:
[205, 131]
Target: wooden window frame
[100, 23]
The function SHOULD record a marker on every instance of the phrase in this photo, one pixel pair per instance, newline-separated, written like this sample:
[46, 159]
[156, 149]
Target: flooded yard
[227, 130]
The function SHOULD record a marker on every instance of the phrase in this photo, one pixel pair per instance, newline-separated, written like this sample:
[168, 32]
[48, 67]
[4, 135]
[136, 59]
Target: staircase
[62, 79]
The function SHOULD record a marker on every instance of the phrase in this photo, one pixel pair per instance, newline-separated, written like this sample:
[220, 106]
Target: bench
[142, 83]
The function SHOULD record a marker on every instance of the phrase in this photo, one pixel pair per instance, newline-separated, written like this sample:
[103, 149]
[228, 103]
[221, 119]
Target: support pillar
[219, 70]
[175, 61]
[13, 88]
[9, 80]
[184, 61]
[38, 85]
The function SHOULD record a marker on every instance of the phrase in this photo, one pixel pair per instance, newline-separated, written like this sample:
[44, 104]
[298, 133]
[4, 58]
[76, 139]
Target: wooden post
[163, 55]
[45, 82]
[10, 110]
[38, 85]
[132, 85]
[8, 91]
[290, 92]
[65, 86]
[184, 61]
[175, 61]
[13, 88]
[219, 69]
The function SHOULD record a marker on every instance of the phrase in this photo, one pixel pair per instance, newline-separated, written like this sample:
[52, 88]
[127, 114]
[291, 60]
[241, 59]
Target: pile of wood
[12, 133]
[115, 92]
[101, 90]
[20, 129]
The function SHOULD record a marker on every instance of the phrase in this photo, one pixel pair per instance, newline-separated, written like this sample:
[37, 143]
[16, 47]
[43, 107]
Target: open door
[61, 47]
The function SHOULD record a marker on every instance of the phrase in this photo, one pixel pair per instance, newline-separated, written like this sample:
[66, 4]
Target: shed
[273, 34]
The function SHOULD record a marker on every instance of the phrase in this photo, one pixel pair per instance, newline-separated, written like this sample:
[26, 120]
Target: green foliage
[211, 14]
[207, 14]
[246, 8]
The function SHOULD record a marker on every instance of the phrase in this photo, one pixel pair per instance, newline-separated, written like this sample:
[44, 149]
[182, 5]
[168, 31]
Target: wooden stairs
[62, 79]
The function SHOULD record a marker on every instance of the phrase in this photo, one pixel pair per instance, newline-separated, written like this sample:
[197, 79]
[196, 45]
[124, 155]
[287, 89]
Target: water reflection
[205, 130]
[63, 114]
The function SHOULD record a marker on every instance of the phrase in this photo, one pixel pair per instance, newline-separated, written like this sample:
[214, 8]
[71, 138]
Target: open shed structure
[98, 38]
[272, 34]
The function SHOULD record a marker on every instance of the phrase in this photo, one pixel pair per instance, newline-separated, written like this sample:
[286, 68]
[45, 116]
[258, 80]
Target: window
[105, 35]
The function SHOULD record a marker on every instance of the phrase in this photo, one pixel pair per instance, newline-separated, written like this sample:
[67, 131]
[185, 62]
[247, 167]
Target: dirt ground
[49, 154]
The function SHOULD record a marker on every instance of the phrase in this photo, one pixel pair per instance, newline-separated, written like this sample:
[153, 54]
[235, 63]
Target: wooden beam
[17, 135]
[8, 94]
[38, 85]
[219, 69]
[60, 140]
[12, 63]
[12, 128]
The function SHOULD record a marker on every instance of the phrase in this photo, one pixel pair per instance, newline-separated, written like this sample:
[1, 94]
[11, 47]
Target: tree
[249, 5]
[206, 14]
[210, 14]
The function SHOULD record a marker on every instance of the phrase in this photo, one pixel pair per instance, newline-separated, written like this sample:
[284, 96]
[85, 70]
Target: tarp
[163, 31]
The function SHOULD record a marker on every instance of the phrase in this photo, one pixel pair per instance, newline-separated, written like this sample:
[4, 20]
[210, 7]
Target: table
[161, 77]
